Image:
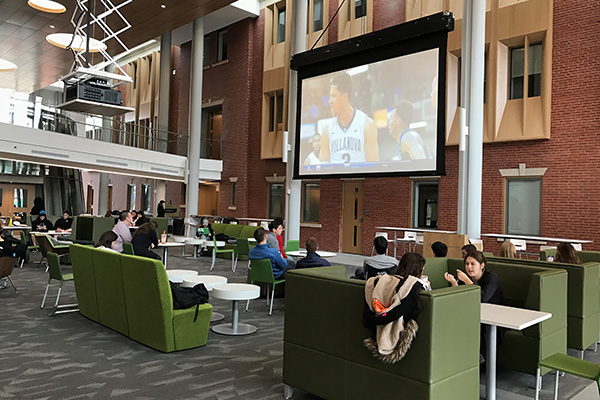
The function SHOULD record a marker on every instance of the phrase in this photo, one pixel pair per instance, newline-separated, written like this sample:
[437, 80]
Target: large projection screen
[374, 105]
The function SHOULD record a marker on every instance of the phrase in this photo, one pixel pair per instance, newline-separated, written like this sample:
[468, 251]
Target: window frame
[131, 194]
[526, 48]
[146, 198]
[416, 183]
[221, 53]
[303, 218]
[507, 180]
[270, 200]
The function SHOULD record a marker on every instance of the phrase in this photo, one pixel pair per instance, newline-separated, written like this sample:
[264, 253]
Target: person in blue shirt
[262, 251]
[312, 259]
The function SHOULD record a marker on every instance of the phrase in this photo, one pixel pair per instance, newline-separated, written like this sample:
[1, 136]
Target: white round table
[165, 246]
[178, 275]
[209, 281]
[196, 243]
[235, 292]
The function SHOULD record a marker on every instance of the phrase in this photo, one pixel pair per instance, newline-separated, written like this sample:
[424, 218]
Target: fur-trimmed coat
[392, 304]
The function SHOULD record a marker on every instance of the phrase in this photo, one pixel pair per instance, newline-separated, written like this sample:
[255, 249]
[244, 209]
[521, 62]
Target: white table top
[236, 291]
[391, 228]
[179, 239]
[210, 243]
[194, 241]
[63, 233]
[535, 238]
[511, 317]
[178, 275]
[209, 281]
[170, 244]
[16, 227]
[302, 253]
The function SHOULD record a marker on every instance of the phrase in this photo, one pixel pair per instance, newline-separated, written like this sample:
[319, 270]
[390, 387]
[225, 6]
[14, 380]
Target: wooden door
[352, 217]
[89, 204]
[16, 198]
[110, 193]
[208, 200]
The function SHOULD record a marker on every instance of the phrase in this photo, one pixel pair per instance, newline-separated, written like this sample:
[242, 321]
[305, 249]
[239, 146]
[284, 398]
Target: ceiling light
[6, 65]
[52, 26]
[48, 6]
[163, 6]
[62, 40]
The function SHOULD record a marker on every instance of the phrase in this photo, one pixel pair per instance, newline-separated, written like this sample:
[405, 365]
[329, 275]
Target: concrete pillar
[163, 91]
[293, 206]
[106, 135]
[463, 147]
[191, 194]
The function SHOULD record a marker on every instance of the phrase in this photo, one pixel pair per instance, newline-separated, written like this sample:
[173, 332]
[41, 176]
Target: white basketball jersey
[348, 145]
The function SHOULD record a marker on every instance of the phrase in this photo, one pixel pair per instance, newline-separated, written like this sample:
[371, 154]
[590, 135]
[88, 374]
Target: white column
[293, 204]
[163, 91]
[191, 194]
[463, 147]
[476, 120]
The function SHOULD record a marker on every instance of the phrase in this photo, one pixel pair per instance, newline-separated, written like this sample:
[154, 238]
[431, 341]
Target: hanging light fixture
[6, 65]
[48, 6]
[77, 42]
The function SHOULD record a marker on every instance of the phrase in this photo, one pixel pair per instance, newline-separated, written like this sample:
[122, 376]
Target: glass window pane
[311, 202]
[281, 26]
[425, 205]
[318, 15]
[147, 196]
[535, 70]
[360, 8]
[222, 45]
[131, 196]
[205, 54]
[523, 203]
[517, 61]
[233, 189]
[20, 198]
[276, 200]
[279, 108]
[271, 113]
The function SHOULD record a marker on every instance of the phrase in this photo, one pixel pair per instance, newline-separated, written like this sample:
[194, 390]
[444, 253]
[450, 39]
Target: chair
[29, 248]
[409, 237]
[576, 246]
[265, 225]
[56, 273]
[252, 223]
[521, 247]
[216, 251]
[292, 245]
[383, 234]
[128, 248]
[242, 248]
[478, 243]
[262, 271]
[46, 246]
[371, 271]
[6, 268]
[569, 365]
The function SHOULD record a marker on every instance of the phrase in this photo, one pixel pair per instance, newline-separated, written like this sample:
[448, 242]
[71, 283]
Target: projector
[96, 90]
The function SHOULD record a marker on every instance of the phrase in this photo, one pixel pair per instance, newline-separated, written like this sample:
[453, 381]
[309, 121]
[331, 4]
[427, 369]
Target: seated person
[122, 230]
[378, 262]
[17, 246]
[41, 224]
[312, 259]
[64, 224]
[439, 249]
[262, 251]
[566, 253]
[413, 264]
[106, 241]
[141, 219]
[467, 248]
[275, 240]
[508, 250]
[144, 239]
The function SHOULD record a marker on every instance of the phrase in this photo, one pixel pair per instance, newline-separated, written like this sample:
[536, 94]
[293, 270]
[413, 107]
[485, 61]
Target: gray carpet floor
[68, 356]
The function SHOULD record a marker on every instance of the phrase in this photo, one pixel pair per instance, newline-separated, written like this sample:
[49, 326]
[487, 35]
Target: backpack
[184, 297]
[221, 237]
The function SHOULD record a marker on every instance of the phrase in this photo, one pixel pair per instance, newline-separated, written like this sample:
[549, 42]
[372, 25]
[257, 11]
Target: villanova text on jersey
[347, 145]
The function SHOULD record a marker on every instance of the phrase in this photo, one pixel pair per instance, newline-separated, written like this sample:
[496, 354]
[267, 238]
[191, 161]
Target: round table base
[216, 316]
[227, 329]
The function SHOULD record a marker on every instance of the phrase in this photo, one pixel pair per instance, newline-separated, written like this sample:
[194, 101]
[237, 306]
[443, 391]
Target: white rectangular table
[494, 315]
[396, 230]
[302, 253]
[14, 228]
[534, 238]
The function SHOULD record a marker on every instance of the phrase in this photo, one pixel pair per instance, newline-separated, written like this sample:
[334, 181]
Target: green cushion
[85, 281]
[219, 228]
[163, 224]
[101, 225]
[248, 231]
[109, 290]
[232, 230]
[572, 365]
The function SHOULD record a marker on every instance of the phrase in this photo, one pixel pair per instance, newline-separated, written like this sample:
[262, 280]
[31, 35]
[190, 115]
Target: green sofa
[234, 230]
[91, 228]
[583, 307]
[163, 224]
[523, 286]
[132, 296]
[324, 354]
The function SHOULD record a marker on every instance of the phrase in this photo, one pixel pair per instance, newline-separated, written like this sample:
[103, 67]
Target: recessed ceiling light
[48, 6]
[6, 65]
[62, 40]
[52, 26]
[163, 6]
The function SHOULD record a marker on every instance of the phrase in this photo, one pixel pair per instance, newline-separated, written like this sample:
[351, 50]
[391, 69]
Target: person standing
[160, 210]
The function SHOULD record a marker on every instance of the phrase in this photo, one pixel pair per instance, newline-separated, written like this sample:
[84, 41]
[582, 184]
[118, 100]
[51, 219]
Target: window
[523, 206]
[233, 189]
[276, 200]
[317, 15]
[281, 25]
[425, 204]
[147, 197]
[20, 196]
[275, 111]
[206, 54]
[360, 8]
[131, 196]
[135, 75]
[311, 195]
[517, 71]
[222, 45]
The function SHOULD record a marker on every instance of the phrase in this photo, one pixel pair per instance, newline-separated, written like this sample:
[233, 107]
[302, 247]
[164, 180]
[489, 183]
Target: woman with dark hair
[106, 241]
[476, 274]
[160, 210]
[565, 253]
[412, 264]
[144, 239]
[141, 219]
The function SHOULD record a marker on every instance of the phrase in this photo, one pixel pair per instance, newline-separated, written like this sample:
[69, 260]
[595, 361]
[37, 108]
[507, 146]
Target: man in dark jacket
[312, 259]
[41, 224]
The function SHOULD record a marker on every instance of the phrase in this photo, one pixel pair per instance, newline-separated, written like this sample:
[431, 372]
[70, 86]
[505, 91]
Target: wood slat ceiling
[23, 32]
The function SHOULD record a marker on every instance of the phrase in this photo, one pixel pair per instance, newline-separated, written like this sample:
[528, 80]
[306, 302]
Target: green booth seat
[323, 342]
[91, 228]
[583, 307]
[524, 286]
[163, 224]
[237, 231]
[132, 296]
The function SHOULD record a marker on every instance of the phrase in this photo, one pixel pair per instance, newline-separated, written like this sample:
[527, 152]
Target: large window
[222, 45]
[276, 200]
[281, 25]
[311, 195]
[275, 110]
[517, 71]
[360, 8]
[425, 204]
[233, 190]
[523, 206]
[20, 198]
[206, 59]
[317, 15]
[147, 197]
[131, 196]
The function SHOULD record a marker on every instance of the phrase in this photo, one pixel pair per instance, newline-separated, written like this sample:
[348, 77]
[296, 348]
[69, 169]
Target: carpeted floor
[70, 357]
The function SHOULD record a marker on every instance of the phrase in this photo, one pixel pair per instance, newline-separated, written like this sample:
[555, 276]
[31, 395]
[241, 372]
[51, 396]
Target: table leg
[235, 328]
[183, 250]
[165, 256]
[490, 363]
[195, 251]
[395, 244]
[235, 316]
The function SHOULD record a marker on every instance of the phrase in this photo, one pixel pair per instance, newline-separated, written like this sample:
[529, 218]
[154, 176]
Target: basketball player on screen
[410, 143]
[351, 136]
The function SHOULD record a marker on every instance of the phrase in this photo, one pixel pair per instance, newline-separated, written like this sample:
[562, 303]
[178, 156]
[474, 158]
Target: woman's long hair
[107, 239]
[146, 227]
[566, 253]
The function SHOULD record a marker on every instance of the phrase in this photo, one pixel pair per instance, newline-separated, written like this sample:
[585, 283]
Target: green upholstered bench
[132, 296]
[569, 365]
[324, 354]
